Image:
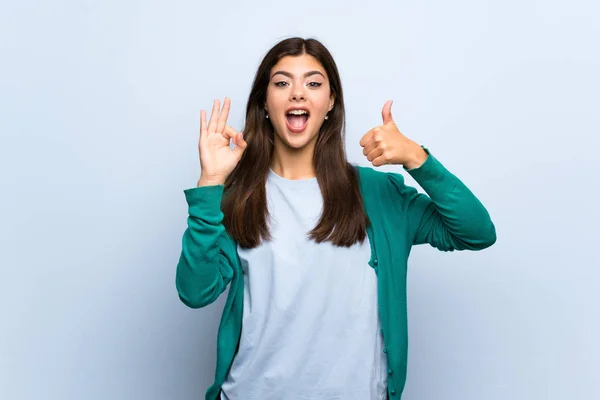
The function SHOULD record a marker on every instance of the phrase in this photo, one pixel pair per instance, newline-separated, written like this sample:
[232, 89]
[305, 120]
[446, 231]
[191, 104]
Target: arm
[449, 217]
[203, 271]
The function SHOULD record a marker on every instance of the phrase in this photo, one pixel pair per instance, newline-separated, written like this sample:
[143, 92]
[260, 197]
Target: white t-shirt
[311, 326]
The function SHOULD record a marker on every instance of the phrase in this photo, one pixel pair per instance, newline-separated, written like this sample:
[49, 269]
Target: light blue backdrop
[99, 117]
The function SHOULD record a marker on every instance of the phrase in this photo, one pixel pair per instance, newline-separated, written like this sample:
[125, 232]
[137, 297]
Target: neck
[292, 163]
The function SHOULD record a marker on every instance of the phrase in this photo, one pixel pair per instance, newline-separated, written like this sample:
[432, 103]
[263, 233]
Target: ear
[331, 102]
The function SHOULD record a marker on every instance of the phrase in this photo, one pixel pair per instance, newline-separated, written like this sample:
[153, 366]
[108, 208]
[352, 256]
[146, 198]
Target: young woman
[314, 250]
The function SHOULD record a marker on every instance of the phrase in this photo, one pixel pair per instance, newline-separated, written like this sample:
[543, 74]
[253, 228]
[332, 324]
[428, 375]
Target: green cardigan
[448, 217]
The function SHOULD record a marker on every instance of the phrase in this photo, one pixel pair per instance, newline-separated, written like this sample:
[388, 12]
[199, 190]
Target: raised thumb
[386, 113]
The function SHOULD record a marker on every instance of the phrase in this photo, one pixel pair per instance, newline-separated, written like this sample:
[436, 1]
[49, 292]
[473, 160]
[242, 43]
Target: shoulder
[372, 179]
[384, 190]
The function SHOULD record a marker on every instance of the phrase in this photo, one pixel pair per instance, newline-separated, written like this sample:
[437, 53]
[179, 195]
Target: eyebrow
[306, 75]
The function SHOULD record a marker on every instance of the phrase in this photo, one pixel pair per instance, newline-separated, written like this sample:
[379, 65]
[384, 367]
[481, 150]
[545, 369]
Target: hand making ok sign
[217, 159]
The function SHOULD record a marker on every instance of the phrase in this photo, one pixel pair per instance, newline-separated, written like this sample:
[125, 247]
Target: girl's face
[298, 83]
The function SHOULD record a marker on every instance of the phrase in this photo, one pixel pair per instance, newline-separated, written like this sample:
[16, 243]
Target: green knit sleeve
[205, 266]
[449, 216]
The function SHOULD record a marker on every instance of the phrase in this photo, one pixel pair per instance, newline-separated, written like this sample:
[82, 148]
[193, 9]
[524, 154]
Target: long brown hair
[343, 220]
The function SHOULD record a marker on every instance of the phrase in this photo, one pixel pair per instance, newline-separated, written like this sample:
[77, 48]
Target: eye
[280, 84]
[315, 84]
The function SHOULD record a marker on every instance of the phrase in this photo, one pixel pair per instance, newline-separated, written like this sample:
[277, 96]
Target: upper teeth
[298, 112]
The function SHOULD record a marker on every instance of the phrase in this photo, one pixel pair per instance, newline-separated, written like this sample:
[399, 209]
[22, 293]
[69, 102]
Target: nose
[297, 94]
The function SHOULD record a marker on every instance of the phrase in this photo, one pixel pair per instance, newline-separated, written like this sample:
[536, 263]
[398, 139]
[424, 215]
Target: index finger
[366, 138]
[224, 115]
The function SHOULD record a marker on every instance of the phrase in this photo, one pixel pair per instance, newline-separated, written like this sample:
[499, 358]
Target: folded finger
[379, 161]
[369, 147]
[372, 155]
[366, 138]
[229, 132]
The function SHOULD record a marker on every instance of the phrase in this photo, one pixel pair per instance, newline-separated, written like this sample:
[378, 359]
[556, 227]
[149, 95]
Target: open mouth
[297, 120]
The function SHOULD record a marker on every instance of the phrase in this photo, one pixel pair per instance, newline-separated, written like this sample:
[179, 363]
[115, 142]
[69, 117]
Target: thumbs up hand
[385, 144]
